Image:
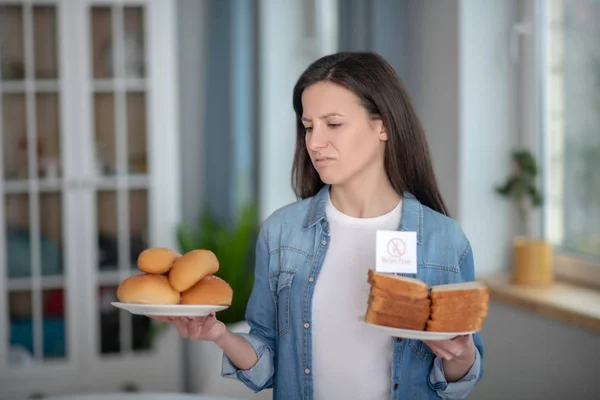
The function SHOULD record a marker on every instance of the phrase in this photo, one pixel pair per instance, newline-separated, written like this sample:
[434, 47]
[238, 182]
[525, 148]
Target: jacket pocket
[420, 349]
[284, 288]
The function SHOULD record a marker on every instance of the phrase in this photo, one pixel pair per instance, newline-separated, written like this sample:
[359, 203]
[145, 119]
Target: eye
[308, 129]
[333, 126]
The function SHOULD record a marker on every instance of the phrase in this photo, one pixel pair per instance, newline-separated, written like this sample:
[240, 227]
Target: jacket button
[396, 386]
[324, 242]
[306, 325]
[311, 279]
[307, 371]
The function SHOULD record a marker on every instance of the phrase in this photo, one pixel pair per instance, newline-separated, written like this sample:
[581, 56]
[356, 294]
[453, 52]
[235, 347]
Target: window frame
[533, 57]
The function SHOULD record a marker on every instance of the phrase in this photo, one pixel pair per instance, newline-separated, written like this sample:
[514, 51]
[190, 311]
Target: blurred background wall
[486, 77]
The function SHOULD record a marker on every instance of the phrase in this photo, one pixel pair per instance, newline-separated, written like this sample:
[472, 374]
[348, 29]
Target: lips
[323, 161]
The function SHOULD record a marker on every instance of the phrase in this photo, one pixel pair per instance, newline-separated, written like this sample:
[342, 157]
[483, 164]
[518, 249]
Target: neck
[365, 198]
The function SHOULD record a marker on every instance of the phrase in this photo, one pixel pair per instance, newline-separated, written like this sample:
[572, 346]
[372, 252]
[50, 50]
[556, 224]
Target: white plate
[418, 335]
[170, 310]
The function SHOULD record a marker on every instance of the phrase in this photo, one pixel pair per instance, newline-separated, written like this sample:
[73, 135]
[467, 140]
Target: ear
[383, 136]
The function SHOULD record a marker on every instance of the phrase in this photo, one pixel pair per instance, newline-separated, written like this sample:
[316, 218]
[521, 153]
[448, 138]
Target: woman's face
[343, 143]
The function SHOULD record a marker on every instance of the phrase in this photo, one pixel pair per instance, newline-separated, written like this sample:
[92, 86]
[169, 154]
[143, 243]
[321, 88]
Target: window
[567, 36]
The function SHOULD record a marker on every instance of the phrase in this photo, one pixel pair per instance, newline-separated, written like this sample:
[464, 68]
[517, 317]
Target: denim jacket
[290, 251]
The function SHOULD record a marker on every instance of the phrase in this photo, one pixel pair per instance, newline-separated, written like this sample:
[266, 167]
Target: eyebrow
[305, 119]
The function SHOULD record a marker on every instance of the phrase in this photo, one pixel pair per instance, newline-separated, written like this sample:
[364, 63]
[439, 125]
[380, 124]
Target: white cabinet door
[130, 191]
[89, 171]
[39, 294]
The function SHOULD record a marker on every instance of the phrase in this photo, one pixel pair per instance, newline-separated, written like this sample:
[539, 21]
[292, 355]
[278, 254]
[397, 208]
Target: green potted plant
[532, 257]
[233, 245]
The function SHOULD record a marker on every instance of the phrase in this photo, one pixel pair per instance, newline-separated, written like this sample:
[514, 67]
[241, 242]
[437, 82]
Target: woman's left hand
[459, 348]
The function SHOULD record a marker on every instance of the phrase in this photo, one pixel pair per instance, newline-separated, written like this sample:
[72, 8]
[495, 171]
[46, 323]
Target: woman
[361, 164]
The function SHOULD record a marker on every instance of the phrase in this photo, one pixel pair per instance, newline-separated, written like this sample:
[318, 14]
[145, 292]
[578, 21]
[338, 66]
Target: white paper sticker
[396, 252]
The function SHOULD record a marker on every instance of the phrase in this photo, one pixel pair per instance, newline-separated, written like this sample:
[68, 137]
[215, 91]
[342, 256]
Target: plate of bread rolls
[173, 284]
[408, 308]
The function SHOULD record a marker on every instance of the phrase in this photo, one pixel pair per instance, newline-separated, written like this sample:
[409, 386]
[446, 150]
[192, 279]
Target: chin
[330, 179]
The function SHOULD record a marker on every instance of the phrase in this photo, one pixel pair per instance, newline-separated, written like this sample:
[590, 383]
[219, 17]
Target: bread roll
[209, 290]
[147, 289]
[191, 268]
[157, 260]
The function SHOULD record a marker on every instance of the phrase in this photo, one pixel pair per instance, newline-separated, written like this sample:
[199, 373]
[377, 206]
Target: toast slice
[399, 285]
[469, 301]
[391, 321]
[459, 308]
[459, 315]
[376, 292]
[463, 325]
[460, 291]
[398, 309]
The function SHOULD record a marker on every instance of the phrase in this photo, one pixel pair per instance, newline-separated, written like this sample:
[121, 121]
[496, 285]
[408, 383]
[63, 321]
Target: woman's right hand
[197, 328]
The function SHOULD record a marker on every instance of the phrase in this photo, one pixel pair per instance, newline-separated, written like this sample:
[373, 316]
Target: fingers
[189, 327]
[448, 349]
[439, 350]
[209, 321]
[182, 326]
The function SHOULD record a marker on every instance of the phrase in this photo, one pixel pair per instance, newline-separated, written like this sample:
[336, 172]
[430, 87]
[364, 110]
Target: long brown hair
[381, 91]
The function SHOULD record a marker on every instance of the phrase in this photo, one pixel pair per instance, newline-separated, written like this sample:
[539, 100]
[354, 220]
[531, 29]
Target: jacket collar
[411, 220]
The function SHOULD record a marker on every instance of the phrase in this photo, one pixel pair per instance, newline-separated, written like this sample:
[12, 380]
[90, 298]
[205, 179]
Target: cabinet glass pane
[45, 43]
[54, 325]
[12, 53]
[51, 234]
[102, 42]
[142, 330]
[138, 223]
[23, 327]
[108, 240]
[136, 133]
[14, 140]
[113, 322]
[105, 134]
[20, 310]
[134, 42]
[110, 321]
[48, 135]
[18, 236]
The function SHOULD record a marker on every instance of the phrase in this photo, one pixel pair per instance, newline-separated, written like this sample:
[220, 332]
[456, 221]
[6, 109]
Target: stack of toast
[398, 302]
[458, 307]
[408, 303]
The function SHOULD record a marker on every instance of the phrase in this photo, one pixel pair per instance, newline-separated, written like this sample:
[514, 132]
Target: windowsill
[566, 302]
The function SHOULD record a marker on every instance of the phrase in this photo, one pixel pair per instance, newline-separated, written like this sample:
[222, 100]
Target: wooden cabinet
[89, 173]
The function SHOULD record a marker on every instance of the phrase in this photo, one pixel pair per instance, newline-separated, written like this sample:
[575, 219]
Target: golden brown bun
[157, 260]
[191, 268]
[147, 289]
[210, 290]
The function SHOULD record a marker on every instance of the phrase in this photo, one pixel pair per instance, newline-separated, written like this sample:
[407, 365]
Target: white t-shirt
[351, 360]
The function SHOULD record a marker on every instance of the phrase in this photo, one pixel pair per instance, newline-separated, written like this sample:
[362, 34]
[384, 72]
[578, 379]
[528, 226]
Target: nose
[316, 140]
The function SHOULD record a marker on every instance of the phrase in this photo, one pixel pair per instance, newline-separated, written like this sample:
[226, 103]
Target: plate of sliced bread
[408, 308]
